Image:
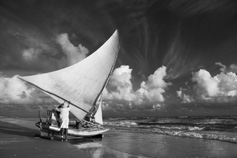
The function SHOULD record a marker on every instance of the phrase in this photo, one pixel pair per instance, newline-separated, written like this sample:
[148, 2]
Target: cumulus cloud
[30, 54]
[206, 84]
[150, 91]
[233, 68]
[225, 69]
[185, 97]
[120, 82]
[15, 91]
[74, 54]
[156, 106]
[221, 87]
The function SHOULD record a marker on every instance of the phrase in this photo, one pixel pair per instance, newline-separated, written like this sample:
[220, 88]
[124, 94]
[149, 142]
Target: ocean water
[180, 137]
[177, 137]
[220, 128]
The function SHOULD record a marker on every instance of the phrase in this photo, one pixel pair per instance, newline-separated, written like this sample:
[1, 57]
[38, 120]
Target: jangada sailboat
[82, 85]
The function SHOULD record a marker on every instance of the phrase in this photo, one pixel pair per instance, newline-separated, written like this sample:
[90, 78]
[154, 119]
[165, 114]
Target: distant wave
[128, 123]
[195, 128]
[210, 136]
[174, 130]
[121, 123]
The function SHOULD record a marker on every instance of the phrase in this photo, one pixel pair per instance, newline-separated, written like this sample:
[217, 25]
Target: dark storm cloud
[189, 8]
[205, 31]
[29, 30]
[180, 34]
[21, 31]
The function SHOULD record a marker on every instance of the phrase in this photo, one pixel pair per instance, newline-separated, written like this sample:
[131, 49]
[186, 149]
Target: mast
[100, 93]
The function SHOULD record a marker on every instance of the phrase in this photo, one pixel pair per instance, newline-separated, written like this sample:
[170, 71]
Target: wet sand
[164, 146]
[17, 140]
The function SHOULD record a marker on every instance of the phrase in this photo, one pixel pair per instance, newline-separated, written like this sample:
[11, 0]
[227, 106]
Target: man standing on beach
[64, 117]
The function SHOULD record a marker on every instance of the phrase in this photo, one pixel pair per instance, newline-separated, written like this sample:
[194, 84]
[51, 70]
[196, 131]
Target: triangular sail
[98, 115]
[81, 83]
[97, 111]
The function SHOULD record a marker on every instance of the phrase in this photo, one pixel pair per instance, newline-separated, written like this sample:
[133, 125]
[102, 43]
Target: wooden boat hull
[82, 132]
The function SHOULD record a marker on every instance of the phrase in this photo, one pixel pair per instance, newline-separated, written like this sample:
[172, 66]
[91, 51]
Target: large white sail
[81, 83]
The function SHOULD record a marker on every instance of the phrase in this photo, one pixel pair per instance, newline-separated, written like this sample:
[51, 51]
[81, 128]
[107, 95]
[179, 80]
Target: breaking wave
[121, 123]
[211, 129]
[203, 135]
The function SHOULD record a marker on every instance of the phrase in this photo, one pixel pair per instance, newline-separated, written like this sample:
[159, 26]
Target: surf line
[54, 95]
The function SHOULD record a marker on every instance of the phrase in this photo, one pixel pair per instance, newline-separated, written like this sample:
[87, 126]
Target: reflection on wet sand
[132, 144]
[17, 137]
[97, 150]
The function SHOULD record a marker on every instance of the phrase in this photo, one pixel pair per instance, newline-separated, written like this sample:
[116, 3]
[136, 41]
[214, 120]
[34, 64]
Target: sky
[177, 57]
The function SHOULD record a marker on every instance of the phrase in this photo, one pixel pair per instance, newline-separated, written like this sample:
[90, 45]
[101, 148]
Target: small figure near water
[64, 119]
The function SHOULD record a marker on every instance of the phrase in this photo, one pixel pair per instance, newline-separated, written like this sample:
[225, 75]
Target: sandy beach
[17, 139]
